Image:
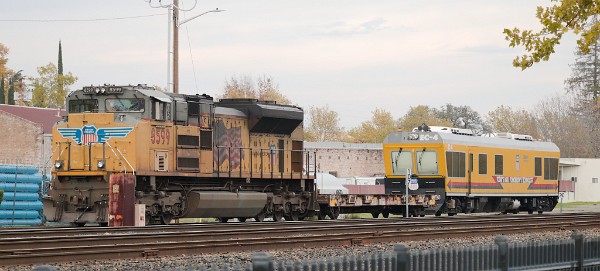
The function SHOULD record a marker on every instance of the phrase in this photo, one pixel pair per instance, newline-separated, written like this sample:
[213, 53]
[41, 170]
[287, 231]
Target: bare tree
[558, 122]
[265, 89]
[518, 121]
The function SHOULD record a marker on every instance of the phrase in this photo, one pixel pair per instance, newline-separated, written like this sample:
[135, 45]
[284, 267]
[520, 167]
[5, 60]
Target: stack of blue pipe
[21, 204]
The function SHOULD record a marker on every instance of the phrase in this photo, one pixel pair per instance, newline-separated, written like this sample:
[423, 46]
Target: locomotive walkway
[52, 245]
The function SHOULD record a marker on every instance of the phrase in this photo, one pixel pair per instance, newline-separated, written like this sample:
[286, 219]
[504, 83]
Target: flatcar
[176, 156]
[452, 171]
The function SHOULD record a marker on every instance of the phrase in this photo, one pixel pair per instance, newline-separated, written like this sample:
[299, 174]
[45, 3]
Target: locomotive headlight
[100, 163]
[58, 164]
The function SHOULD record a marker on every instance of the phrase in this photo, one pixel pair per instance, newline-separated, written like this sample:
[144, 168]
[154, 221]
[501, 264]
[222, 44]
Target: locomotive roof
[449, 138]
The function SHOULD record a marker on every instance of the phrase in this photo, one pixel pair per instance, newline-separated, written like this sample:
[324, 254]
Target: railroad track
[51, 245]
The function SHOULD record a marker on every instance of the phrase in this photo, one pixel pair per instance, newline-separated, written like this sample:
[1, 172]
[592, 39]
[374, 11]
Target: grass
[576, 203]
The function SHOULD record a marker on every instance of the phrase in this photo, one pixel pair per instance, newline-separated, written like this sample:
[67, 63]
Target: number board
[102, 90]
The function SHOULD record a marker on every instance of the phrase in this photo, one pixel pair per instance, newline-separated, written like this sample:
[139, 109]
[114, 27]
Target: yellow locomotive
[451, 170]
[177, 156]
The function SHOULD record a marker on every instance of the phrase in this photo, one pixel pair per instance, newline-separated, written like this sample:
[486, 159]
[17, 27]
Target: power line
[81, 20]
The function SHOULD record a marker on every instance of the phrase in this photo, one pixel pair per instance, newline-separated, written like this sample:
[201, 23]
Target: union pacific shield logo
[90, 134]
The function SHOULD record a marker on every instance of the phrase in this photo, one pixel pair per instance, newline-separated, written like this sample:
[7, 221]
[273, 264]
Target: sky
[353, 56]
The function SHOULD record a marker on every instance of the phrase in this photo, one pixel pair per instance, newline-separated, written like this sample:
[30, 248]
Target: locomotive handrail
[270, 152]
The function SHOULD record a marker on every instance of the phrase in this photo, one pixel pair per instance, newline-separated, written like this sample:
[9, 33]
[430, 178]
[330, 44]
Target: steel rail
[148, 245]
[13, 233]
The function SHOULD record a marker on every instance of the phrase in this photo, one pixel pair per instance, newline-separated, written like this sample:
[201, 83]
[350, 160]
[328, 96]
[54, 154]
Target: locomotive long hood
[267, 117]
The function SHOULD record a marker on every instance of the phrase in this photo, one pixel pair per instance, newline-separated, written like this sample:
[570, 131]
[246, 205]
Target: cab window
[427, 162]
[161, 111]
[80, 106]
[401, 160]
[124, 105]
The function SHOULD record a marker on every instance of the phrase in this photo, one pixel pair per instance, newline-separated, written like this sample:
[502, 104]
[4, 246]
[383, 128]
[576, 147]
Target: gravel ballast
[193, 262]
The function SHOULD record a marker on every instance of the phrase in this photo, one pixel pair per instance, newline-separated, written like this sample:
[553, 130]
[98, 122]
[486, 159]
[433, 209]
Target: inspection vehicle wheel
[321, 215]
[385, 214]
[241, 219]
[375, 215]
[334, 214]
[103, 224]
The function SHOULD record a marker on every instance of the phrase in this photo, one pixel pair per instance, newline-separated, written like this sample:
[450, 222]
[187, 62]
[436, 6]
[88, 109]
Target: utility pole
[175, 46]
[174, 21]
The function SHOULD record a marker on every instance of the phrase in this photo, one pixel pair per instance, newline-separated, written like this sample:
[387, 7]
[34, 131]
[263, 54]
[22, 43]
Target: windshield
[79, 106]
[427, 163]
[401, 160]
[124, 105]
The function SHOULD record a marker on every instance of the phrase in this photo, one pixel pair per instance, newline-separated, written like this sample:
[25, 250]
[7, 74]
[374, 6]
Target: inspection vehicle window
[455, 163]
[124, 105]
[401, 160]
[427, 162]
[482, 164]
[80, 106]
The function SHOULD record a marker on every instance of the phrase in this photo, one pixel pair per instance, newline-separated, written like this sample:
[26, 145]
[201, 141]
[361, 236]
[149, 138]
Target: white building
[582, 174]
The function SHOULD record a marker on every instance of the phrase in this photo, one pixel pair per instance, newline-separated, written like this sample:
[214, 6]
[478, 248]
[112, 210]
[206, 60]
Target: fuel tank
[224, 204]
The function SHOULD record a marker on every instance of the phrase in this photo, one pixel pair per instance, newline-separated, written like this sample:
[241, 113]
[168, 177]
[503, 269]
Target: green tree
[323, 125]
[516, 121]
[11, 92]
[265, 89]
[3, 60]
[418, 115]
[556, 20]
[375, 130]
[50, 88]
[60, 63]
[2, 98]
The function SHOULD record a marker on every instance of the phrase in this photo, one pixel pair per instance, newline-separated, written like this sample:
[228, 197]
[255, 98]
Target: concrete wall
[585, 170]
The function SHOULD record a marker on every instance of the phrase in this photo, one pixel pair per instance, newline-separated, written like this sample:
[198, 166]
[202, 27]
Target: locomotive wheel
[165, 218]
[260, 217]
[375, 215]
[77, 224]
[386, 214]
[103, 224]
[278, 216]
[530, 212]
[223, 219]
[540, 212]
[242, 219]
[295, 216]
